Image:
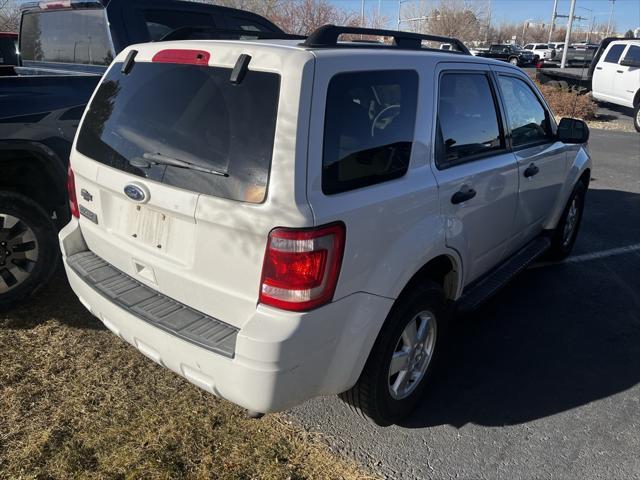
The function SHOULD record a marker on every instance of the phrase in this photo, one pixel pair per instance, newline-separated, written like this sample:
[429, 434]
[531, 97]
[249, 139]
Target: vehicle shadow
[56, 301]
[560, 336]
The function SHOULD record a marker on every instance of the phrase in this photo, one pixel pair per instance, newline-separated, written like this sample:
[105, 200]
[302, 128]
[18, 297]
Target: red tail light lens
[301, 267]
[71, 190]
[190, 57]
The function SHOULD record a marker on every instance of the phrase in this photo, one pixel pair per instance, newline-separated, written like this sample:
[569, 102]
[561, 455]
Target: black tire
[561, 245]
[48, 253]
[514, 61]
[636, 117]
[371, 397]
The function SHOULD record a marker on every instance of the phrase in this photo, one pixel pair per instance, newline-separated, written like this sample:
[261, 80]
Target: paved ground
[544, 381]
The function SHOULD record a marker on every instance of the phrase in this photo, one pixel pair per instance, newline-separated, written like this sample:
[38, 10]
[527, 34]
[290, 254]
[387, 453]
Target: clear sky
[626, 12]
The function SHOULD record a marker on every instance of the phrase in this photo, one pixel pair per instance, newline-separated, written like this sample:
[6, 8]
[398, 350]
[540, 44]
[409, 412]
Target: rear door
[173, 161]
[627, 79]
[605, 72]
[542, 160]
[477, 175]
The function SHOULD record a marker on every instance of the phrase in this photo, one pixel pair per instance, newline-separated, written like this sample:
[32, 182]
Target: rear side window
[613, 55]
[161, 113]
[527, 117]
[633, 53]
[368, 128]
[468, 123]
[162, 22]
[78, 36]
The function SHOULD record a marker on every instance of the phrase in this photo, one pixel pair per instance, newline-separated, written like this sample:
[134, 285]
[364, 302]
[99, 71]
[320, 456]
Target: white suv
[541, 50]
[276, 220]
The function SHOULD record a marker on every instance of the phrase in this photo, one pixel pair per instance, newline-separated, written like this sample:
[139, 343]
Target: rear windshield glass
[66, 36]
[161, 114]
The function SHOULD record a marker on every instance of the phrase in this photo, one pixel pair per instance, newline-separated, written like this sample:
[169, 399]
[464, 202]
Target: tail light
[301, 267]
[71, 190]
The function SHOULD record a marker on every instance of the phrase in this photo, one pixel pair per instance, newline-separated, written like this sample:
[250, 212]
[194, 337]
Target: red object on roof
[8, 35]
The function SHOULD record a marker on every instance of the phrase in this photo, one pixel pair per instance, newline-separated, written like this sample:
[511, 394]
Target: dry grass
[77, 402]
[568, 103]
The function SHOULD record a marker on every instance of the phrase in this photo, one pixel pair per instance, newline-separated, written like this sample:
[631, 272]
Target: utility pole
[613, 4]
[553, 19]
[362, 13]
[486, 32]
[567, 38]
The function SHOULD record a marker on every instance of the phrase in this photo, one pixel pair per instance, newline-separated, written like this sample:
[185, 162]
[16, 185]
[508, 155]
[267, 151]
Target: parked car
[580, 55]
[508, 53]
[66, 46]
[557, 46]
[616, 78]
[541, 50]
[293, 222]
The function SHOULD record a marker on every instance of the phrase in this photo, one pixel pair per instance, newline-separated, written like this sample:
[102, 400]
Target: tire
[29, 248]
[514, 61]
[562, 241]
[372, 396]
[636, 117]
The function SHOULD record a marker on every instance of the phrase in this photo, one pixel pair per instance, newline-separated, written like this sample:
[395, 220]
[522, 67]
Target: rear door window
[633, 54]
[613, 55]
[468, 125]
[161, 112]
[528, 119]
[79, 36]
[368, 128]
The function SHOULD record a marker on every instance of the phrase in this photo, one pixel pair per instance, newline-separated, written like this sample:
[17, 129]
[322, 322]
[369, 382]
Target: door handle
[464, 194]
[598, 68]
[619, 71]
[531, 171]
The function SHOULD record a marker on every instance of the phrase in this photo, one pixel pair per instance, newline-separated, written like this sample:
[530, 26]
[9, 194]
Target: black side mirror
[572, 130]
[630, 62]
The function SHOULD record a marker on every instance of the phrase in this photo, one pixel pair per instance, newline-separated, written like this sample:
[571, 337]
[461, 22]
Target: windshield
[187, 126]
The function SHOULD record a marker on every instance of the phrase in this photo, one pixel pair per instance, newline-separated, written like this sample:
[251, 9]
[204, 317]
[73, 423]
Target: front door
[542, 160]
[477, 176]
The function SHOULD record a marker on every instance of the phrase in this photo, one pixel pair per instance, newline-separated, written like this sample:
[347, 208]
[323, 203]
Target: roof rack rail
[213, 33]
[327, 36]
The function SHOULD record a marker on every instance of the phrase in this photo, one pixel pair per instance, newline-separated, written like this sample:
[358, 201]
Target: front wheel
[402, 359]
[636, 117]
[514, 61]
[565, 234]
[29, 249]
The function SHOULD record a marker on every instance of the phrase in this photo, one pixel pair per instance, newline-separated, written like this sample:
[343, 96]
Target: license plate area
[148, 226]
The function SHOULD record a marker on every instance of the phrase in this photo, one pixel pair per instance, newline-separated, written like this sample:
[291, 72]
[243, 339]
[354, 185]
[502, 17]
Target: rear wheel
[514, 61]
[401, 361]
[636, 117]
[29, 251]
[566, 232]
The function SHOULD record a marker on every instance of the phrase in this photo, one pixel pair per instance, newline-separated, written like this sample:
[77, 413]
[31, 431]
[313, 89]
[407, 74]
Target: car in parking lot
[300, 217]
[508, 53]
[542, 51]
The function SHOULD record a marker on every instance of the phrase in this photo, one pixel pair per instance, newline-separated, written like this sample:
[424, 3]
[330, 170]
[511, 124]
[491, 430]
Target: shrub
[569, 103]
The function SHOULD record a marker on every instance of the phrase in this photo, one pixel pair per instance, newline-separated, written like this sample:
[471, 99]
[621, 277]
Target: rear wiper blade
[161, 159]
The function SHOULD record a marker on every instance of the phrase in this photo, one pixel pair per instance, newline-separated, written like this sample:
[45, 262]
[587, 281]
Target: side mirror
[630, 62]
[571, 130]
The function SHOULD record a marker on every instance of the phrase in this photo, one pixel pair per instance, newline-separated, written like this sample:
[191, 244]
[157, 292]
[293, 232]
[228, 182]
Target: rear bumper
[280, 359]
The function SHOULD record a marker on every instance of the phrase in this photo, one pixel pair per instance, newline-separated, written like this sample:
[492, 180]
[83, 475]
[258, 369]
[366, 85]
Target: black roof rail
[327, 36]
[213, 33]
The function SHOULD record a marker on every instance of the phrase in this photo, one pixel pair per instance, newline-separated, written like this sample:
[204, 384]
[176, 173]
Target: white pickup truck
[616, 77]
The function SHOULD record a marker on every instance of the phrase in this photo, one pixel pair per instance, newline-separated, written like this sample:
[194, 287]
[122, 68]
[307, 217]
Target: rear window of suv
[160, 113]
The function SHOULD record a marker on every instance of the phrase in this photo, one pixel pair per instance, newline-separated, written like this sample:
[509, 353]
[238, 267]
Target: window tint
[161, 22]
[368, 129]
[526, 116]
[633, 53]
[66, 36]
[138, 122]
[528, 47]
[242, 23]
[541, 47]
[467, 118]
[613, 55]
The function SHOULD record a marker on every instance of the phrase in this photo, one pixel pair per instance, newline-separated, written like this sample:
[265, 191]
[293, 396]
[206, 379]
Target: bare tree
[461, 19]
[9, 16]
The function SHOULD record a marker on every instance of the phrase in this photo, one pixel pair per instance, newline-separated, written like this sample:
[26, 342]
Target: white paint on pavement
[595, 255]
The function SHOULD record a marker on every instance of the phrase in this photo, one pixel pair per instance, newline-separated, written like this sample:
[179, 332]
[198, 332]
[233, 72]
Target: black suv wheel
[29, 250]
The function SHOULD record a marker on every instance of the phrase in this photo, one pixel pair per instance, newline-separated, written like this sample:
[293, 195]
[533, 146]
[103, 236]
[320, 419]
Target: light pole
[588, 38]
[613, 4]
[553, 20]
[567, 37]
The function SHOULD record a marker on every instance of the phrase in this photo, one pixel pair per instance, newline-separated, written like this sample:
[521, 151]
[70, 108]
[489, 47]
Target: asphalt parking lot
[544, 380]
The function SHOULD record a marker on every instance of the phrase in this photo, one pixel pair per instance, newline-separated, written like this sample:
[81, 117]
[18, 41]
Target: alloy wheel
[18, 252]
[412, 355]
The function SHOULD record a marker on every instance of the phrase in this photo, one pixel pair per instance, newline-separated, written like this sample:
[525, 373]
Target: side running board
[486, 287]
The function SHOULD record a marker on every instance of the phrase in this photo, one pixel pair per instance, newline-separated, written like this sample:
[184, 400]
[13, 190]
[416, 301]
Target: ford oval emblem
[136, 192]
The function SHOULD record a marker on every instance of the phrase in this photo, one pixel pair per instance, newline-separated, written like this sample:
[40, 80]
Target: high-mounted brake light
[189, 57]
[55, 4]
[301, 267]
[71, 190]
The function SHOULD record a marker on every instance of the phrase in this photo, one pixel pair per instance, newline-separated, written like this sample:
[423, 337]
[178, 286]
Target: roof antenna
[240, 69]
[129, 62]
